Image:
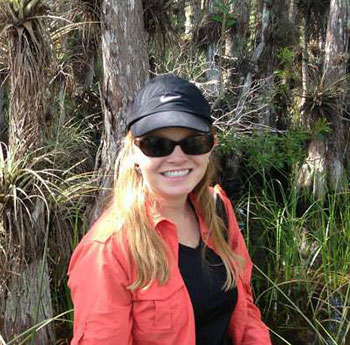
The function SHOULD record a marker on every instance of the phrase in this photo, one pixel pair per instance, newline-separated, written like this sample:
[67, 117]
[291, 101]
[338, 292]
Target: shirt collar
[153, 214]
[156, 218]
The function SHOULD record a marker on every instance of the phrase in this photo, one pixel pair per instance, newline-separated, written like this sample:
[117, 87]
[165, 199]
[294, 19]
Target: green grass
[27, 335]
[302, 250]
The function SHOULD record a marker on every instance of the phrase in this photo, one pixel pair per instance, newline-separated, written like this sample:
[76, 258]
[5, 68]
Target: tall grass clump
[302, 250]
[299, 243]
[305, 257]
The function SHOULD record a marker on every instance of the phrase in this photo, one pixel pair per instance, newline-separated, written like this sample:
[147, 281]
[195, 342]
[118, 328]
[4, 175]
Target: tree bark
[292, 11]
[258, 50]
[2, 114]
[335, 65]
[25, 297]
[26, 302]
[305, 61]
[325, 161]
[213, 72]
[125, 63]
[29, 302]
[253, 68]
[236, 36]
[192, 15]
[336, 59]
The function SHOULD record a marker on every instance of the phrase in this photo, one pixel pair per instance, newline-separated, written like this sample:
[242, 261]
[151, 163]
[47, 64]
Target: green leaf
[217, 18]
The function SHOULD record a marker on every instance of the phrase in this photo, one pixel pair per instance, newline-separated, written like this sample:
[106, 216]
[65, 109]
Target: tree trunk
[192, 14]
[335, 64]
[336, 59]
[305, 62]
[253, 68]
[236, 36]
[258, 50]
[29, 302]
[2, 114]
[312, 173]
[213, 72]
[325, 165]
[26, 301]
[292, 11]
[125, 63]
[25, 297]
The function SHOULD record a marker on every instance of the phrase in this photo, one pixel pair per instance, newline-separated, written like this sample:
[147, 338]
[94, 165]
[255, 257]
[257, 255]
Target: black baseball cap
[168, 101]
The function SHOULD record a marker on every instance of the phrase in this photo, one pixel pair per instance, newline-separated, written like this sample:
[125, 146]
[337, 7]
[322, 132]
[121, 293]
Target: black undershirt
[212, 305]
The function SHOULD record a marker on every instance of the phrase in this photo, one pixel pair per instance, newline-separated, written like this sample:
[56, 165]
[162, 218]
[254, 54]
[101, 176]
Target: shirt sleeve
[102, 304]
[246, 324]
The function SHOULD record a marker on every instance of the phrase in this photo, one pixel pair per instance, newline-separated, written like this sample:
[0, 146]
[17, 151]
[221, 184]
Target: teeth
[177, 173]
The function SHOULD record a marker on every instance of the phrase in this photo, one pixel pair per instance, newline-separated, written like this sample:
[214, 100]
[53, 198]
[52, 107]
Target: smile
[176, 173]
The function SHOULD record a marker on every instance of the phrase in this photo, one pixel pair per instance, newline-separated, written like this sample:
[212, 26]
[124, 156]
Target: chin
[174, 192]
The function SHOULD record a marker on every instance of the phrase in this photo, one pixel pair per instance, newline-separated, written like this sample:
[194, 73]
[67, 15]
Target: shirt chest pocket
[160, 308]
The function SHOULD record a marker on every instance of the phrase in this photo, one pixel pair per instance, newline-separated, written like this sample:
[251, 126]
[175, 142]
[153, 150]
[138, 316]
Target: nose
[178, 154]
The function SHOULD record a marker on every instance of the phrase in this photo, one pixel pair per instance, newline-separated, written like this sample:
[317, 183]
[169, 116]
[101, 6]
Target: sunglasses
[153, 146]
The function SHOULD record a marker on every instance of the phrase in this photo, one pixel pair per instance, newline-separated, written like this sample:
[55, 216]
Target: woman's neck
[181, 213]
[173, 209]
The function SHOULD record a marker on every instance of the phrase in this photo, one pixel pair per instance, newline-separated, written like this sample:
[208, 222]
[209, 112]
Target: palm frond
[22, 28]
[88, 14]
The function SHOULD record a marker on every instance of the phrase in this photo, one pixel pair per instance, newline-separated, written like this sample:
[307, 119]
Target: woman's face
[176, 175]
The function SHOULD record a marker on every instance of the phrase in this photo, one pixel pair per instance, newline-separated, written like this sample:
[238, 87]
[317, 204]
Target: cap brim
[169, 119]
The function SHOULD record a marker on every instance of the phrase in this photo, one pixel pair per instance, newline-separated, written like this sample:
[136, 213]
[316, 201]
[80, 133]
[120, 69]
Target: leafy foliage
[263, 151]
[223, 13]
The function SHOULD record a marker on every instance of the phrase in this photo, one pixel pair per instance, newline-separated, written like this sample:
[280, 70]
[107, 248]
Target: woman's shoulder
[101, 245]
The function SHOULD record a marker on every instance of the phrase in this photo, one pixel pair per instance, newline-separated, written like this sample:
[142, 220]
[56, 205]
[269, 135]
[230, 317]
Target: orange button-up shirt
[107, 313]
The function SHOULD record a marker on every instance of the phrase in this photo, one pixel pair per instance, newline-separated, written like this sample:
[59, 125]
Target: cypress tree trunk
[305, 60]
[266, 14]
[236, 36]
[324, 166]
[126, 66]
[192, 14]
[335, 65]
[213, 52]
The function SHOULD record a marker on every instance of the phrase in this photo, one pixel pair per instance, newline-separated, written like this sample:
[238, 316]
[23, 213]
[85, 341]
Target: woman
[160, 266]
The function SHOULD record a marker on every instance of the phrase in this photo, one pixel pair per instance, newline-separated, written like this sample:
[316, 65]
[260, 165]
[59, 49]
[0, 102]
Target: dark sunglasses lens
[197, 145]
[156, 146]
[160, 147]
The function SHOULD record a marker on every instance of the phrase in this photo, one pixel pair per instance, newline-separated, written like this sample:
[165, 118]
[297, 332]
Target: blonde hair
[147, 249]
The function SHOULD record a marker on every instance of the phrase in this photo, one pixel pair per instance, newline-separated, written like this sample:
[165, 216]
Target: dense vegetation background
[276, 75]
